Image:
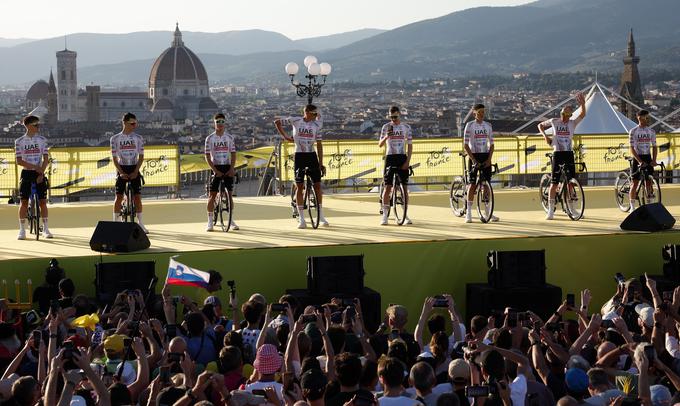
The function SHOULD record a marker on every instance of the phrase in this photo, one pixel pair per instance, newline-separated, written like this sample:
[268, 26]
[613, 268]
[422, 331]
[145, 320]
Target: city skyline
[284, 17]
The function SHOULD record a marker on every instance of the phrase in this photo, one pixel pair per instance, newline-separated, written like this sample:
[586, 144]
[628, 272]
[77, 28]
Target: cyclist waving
[478, 144]
[306, 131]
[644, 150]
[31, 154]
[398, 138]
[562, 143]
[220, 154]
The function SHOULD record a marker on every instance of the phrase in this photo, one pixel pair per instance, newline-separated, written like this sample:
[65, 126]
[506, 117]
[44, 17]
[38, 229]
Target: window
[72, 75]
[63, 75]
[141, 104]
[165, 92]
[201, 92]
[186, 92]
[122, 104]
[104, 104]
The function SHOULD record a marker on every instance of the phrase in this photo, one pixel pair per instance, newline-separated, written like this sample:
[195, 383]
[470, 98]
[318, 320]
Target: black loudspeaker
[113, 236]
[482, 299]
[335, 275]
[512, 269]
[370, 304]
[112, 278]
[648, 217]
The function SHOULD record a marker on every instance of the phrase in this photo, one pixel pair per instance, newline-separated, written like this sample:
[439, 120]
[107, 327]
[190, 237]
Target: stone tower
[52, 102]
[631, 88]
[67, 85]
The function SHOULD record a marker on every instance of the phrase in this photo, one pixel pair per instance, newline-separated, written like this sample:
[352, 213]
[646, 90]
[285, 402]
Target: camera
[571, 300]
[477, 391]
[440, 301]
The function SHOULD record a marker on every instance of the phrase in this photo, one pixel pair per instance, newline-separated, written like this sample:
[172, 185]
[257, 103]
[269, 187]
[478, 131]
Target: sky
[52, 18]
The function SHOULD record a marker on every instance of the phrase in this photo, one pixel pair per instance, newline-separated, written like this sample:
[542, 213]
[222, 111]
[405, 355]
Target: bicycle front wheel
[312, 204]
[622, 191]
[457, 196]
[485, 201]
[544, 190]
[649, 191]
[399, 201]
[574, 202]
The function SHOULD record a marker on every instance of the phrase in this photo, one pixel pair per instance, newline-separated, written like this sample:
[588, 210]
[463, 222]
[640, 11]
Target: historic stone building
[631, 87]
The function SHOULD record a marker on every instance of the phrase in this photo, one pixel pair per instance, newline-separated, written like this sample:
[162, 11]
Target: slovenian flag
[180, 274]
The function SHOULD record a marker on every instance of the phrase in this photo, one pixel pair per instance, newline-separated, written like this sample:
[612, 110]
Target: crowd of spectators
[170, 350]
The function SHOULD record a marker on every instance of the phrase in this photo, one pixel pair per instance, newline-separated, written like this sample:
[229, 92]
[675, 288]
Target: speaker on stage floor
[482, 299]
[648, 217]
[113, 236]
[112, 278]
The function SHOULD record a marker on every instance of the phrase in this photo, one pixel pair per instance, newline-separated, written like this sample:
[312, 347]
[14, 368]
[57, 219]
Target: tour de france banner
[252, 158]
[79, 168]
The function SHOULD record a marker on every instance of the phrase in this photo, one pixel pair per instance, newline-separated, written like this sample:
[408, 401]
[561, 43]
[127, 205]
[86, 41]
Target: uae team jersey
[220, 148]
[478, 136]
[305, 133]
[563, 133]
[642, 139]
[401, 136]
[31, 149]
[127, 148]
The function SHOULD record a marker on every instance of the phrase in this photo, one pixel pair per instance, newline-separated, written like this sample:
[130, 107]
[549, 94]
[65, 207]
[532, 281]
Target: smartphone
[308, 318]
[165, 374]
[278, 307]
[477, 391]
[68, 349]
[650, 353]
[32, 317]
[571, 300]
[440, 301]
[171, 330]
[619, 278]
[37, 335]
[259, 392]
[347, 302]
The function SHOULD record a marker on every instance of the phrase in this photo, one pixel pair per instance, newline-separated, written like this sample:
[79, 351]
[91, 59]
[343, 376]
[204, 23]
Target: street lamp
[314, 69]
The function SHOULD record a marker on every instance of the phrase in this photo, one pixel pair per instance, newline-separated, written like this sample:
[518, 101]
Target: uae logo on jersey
[31, 148]
[306, 131]
[562, 130]
[481, 132]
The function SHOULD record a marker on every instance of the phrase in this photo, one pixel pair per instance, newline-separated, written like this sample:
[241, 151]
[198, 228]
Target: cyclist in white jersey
[643, 148]
[398, 138]
[561, 141]
[32, 154]
[220, 154]
[306, 133]
[478, 145]
[127, 149]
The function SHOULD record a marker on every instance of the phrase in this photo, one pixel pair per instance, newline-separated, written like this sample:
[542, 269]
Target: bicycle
[624, 181]
[459, 190]
[223, 205]
[33, 214]
[310, 199]
[572, 204]
[398, 199]
[128, 211]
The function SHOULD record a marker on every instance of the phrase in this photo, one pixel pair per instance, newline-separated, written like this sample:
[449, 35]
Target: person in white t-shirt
[32, 155]
[127, 149]
[643, 148]
[478, 145]
[397, 137]
[220, 154]
[562, 143]
[306, 133]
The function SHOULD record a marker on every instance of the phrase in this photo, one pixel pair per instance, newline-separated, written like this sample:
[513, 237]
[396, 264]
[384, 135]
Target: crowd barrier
[79, 168]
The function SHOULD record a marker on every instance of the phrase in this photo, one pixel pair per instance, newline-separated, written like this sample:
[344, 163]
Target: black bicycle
[128, 211]
[398, 200]
[649, 185]
[310, 199]
[459, 189]
[222, 209]
[569, 191]
[33, 214]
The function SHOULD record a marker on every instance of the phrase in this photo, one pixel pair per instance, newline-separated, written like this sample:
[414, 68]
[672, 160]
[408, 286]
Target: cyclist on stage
[399, 140]
[644, 150]
[31, 154]
[220, 153]
[306, 132]
[561, 141]
[478, 145]
[127, 148]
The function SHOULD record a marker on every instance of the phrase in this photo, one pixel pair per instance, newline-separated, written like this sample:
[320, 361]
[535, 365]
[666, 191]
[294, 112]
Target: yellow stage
[266, 222]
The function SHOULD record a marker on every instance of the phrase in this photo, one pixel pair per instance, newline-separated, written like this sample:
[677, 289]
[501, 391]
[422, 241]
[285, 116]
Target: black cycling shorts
[307, 160]
[637, 175]
[228, 180]
[566, 158]
[135, 183]
[480, 157]
[29, 177]
[395, 160]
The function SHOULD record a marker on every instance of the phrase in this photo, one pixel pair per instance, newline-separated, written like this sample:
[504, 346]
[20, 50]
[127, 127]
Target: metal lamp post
[314, 69]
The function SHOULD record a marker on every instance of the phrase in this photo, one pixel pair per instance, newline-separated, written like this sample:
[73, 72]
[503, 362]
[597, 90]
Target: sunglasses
[220, 121]
[394, 117]
[35, 125]
[314, 113]
[132, 122]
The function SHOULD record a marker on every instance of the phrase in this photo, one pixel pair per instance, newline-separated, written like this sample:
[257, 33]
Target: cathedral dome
[177, 63]
[38, 91]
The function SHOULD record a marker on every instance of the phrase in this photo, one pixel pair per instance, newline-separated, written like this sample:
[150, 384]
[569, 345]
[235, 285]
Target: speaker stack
[115, 236]
[515, 279]
[648, 217]
[112, 278]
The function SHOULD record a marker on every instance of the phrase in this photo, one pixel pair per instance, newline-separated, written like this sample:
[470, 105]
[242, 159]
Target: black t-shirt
[343, 397]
